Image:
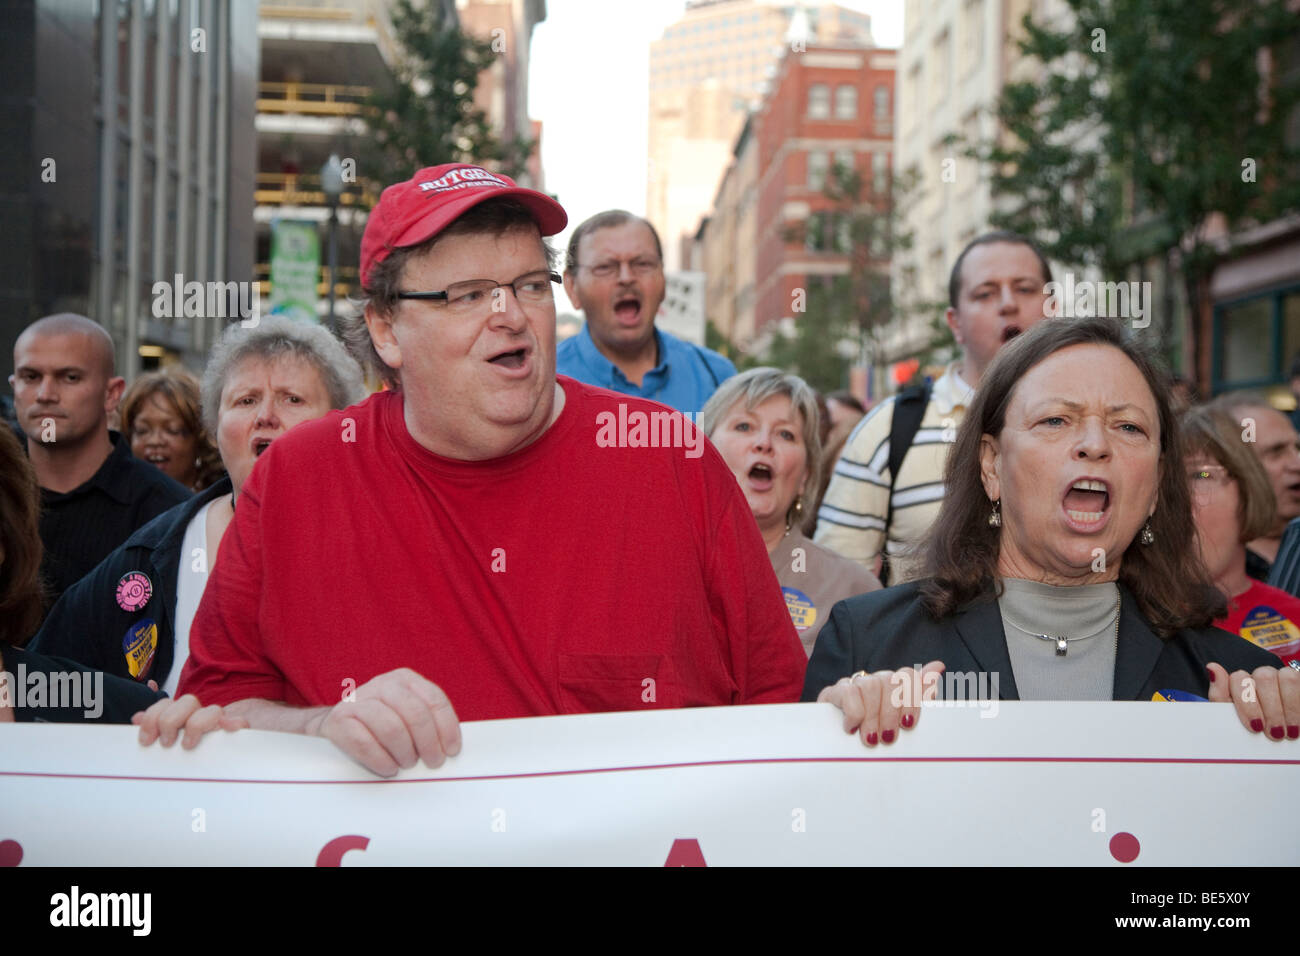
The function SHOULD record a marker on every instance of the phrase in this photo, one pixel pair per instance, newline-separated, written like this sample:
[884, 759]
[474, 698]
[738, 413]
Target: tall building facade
[952, 66]
[772, 231]
[502, 91]
[707, 71]
[319, 64]
[129, 161]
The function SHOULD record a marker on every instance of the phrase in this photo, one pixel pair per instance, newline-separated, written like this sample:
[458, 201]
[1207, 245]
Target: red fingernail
[1257, 725]
[887, 736]
[871, 739]
[908, 720]
[1211, 673]
[1276, 733]
[1293, 731]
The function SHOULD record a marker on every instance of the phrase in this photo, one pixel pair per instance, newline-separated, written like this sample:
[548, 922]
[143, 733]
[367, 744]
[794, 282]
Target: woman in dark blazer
[1063, 565]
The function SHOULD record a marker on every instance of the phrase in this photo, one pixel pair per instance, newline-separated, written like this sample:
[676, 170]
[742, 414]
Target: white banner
[1040, 783]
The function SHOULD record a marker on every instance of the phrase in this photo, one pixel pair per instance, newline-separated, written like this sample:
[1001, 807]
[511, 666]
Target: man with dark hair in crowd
[94, 494]
[484, 542]
[1272, 436]
[888, 484]
[614, 272]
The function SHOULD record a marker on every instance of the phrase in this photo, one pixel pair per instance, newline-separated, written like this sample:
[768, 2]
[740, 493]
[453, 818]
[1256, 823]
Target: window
[1256, 339]
[819, 101]
[844, 158]
[879, 173]
[972, 40]
[843, 231]
[817, 167]
[938, 67]
[881, 98]
[846, 102]
[827, 232]
[1246, 335]
[912, 92]
[815, 234]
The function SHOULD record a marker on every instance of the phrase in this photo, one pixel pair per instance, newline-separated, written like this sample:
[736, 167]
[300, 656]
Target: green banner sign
[295, 269]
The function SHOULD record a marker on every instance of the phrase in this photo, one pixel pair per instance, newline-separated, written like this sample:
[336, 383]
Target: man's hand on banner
[877, 705]
[165, 720]
[389, 722]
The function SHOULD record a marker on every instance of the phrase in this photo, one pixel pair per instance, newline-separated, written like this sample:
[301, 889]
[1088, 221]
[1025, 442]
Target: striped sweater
[852, 517]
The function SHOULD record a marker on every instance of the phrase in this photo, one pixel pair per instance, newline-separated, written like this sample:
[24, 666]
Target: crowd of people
[272, 548]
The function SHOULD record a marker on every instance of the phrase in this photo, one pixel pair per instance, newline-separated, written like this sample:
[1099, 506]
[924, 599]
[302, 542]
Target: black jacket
[119, 701]
[890, 629]
[87, 624]
[81, 527]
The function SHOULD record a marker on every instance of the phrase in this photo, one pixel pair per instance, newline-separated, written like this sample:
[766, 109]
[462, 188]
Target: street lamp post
[331, 180]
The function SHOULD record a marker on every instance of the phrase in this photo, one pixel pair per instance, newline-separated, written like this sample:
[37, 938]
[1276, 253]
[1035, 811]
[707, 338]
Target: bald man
[94, 494]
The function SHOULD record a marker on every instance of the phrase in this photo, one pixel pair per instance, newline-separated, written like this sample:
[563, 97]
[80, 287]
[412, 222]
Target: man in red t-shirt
[483, 540]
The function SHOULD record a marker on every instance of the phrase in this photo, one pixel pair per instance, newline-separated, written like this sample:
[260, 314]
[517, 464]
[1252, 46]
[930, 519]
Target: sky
[589, 85]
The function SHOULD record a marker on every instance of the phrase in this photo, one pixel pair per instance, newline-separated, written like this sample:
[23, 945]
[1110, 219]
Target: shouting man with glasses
[614, 273]
[462, 546]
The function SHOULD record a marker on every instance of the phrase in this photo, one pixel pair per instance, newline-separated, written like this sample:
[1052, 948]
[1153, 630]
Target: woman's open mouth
[760, 477]
[1087, 504]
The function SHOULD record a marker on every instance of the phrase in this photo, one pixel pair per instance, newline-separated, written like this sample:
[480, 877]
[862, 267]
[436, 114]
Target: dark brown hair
[179, 389]
[22, 599]
[494, 217]
[1172, 587]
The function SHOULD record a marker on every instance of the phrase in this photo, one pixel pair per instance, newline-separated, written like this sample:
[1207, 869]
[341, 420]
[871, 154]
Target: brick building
[828, 106]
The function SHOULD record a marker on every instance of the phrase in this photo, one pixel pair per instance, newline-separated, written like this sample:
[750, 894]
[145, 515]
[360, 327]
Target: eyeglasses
[639, 267]
[472, 295]
[1204, 479]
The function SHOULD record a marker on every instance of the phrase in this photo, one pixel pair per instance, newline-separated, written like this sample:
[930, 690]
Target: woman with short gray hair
[765, 423]
[259, 383]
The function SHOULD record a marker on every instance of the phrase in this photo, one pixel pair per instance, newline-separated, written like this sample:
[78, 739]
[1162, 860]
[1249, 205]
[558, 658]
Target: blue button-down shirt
[687, 374]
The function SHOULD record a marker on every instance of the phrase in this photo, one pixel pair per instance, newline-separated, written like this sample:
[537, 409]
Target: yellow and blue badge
[802, 610]
[1175, 695]
[139, 646]
[1268, 629]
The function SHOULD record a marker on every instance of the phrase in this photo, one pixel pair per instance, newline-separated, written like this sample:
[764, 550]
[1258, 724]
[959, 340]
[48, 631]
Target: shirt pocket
[594, 683]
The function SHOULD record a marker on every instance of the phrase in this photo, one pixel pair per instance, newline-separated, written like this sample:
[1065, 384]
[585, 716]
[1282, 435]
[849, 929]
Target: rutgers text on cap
[408, 213]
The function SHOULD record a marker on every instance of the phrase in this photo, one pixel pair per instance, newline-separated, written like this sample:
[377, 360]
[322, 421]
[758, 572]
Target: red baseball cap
[408, 213]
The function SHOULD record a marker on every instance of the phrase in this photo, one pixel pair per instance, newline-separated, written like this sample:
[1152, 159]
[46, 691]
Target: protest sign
[1039, 783]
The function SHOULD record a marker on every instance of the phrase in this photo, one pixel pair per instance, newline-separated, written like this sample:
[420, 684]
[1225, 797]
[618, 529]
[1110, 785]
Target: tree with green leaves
[427, 114]
[1155, 122]
[841, 319]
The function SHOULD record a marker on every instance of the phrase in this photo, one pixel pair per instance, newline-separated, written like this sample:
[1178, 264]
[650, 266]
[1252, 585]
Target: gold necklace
[1062, 642]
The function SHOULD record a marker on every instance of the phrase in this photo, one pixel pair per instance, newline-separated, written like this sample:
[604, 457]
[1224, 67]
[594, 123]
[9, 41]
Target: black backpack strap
[909, 409]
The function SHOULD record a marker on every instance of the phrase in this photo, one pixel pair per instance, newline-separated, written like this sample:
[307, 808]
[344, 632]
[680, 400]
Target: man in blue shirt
[614, 272]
